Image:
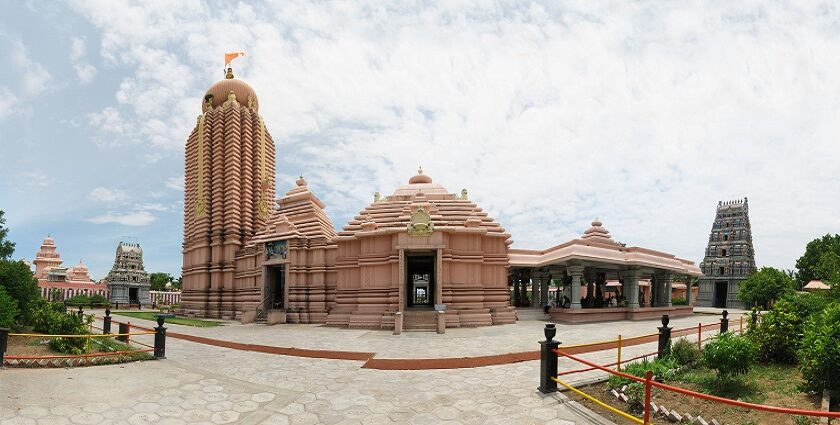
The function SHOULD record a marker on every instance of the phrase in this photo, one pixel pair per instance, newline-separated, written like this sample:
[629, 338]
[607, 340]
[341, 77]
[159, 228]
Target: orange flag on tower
[231, 56]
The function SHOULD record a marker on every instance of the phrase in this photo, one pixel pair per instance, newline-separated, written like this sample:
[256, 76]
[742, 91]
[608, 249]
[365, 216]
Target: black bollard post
[664, 337]
[160, 339]
[106, 321]
[123, 330]
[4, 343]
[724, 322]
[548, 360]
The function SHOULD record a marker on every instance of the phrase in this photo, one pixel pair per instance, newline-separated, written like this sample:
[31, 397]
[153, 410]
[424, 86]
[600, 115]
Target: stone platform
[593, 315]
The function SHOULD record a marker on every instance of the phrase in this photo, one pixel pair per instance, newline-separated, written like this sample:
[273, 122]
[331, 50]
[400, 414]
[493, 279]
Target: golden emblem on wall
[421, 223]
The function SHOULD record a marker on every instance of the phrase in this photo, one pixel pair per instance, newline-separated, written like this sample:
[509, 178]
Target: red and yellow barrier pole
[647, 397]
[699, 335]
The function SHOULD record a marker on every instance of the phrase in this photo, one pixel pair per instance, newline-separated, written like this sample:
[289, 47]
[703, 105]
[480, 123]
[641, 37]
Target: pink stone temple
[420, 258]
[60, 283]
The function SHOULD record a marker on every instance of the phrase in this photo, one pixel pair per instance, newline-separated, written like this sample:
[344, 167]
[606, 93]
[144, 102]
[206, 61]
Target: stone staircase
[420, 320]
[531, 314]
[262, 317]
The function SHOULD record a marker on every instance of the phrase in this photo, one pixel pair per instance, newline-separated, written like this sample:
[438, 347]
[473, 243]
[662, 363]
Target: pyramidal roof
[447, 210]
[299, 214]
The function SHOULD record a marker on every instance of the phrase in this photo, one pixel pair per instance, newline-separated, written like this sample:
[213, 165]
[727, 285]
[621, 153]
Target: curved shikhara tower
[228, 196]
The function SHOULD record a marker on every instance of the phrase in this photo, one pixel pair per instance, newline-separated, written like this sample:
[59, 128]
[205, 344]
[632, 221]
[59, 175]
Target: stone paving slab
[206, 384]
[456, 342]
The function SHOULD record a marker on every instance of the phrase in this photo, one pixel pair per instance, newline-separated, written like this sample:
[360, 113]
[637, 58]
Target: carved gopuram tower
[729, 256]
[228, 195]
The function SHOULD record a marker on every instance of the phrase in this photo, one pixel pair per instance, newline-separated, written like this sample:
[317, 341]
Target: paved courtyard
[200, 383]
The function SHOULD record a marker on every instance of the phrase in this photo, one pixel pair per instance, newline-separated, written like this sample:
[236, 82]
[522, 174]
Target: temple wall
[471, 275]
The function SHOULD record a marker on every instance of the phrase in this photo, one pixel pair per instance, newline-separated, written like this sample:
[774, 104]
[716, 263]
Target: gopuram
[420, 258]
[128, 281]
[729, 256]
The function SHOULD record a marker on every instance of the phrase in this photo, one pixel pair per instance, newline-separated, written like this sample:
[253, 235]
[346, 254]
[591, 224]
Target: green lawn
[152, 315]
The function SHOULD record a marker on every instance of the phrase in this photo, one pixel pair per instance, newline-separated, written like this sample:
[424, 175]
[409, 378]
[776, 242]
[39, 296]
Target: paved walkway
[201, 383]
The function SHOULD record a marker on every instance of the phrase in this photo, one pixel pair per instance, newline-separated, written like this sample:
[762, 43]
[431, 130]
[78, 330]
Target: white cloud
[84, 71]
[153, 207]
[8, 103]
[34, 77]
[175, 183]
[550, 114]
[103, 194]
[138, 218]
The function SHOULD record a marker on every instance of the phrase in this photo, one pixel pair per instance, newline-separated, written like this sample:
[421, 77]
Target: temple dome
[420, 183]
[220, 90]
[597, 233]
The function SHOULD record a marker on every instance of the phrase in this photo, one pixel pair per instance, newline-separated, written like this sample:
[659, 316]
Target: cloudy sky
[642, 114]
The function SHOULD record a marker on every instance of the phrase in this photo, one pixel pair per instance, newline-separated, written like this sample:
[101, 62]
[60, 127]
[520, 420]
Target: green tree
[807, 265]
[764, 286]
[7, 248]
[178, 284]
[19, 283]
[159, 281]
[8, 309]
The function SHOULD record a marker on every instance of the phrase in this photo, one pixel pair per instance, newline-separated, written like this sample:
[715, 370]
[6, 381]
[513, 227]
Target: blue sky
[644, 115]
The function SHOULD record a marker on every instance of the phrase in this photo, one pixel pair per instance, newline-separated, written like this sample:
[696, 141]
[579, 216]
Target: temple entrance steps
[262, 317]
[420, 320]
[525, 313]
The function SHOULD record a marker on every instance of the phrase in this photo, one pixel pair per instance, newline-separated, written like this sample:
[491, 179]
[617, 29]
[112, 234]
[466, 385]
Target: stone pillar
[534, 290]
[576, 272]
[664, 280]
[544, 281]
[688, 290]
[523, 287]
[515, 283]
[631, 285]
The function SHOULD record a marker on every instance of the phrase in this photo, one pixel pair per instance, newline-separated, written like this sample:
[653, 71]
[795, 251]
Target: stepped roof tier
[597, 246]
[447, 211]
[299, 214]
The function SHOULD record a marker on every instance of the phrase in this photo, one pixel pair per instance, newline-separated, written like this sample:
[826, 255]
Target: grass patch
[770, 384]
[187, 321]
[108, 345]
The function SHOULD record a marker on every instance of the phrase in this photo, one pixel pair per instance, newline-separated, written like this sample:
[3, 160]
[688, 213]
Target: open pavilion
[591, 266]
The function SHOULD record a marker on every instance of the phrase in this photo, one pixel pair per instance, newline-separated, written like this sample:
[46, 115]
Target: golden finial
[229, 74]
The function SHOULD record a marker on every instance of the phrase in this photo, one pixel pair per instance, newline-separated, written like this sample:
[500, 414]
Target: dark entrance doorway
[133, 295]
[721, 288]
[276, 287]
[420, 280]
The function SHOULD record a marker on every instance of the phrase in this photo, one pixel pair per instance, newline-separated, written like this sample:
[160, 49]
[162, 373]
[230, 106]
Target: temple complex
[59, 283]
[729, 256]
[419, 258]
[128, 281]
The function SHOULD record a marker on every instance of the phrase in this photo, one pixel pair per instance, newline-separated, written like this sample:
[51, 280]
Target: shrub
[685, 352]
[52, 319]
[8, 309]
[662, 369]
[779, 333]
[819, 356]
[679, 301]
[730, 355]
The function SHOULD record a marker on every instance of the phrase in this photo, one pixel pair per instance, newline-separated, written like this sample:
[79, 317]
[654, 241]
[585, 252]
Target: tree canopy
[764, 286]
[159, 281]
[821, 260]
[7, 247]
[21, 285]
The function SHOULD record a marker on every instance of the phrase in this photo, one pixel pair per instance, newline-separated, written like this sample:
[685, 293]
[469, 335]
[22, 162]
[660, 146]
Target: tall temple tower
[128, 281]
[228, 195]
[729, 256]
